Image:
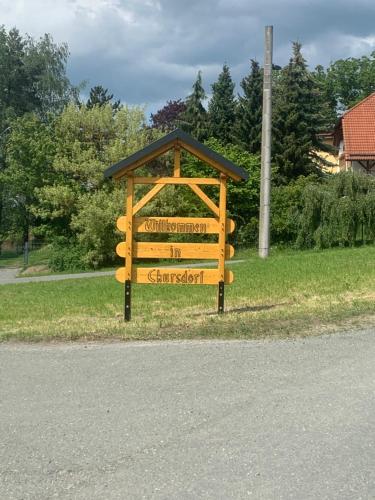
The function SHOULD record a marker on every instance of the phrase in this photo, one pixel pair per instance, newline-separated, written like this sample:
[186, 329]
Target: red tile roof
[358, 125]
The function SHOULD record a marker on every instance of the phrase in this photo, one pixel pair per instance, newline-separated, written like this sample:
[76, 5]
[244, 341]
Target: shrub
[66, 255]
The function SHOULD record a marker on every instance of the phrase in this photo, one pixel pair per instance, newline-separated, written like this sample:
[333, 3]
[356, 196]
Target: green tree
[339, 211]
[99, 96]
[32, 76]
[351, 80]
[242, 197]
[249, 110]
[327, 100]
[29, 154]
[194, 119]
[87, 141]
[296, 120]
[222, 108]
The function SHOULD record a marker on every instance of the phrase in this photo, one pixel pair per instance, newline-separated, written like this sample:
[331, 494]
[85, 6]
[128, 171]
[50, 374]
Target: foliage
[339, 211]
[32, 76]
[66, 255]
[99, 97]
[194, 119]
[87, 142]
[296, 120]
[94, 225]
[286, 208]
[168, 117]
[351, 80]
[29, 153]
[242, 197]
[326, 99]
[222, 108]
[32, 80]
[249, 110]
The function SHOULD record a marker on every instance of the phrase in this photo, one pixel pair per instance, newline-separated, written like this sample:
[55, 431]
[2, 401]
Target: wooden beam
[129, 228]
[148, 197]
[145, 159]
[208, 160]
[222, 219]
[208, 202]
[177, 180]
[177, 162]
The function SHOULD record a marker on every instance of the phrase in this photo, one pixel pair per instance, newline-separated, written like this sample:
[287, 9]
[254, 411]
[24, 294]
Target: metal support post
[220, 298]
[128, 296]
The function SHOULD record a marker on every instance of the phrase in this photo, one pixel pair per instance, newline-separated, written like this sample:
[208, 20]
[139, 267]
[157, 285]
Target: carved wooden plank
[176, 276]
[157, 250]
[176, 225]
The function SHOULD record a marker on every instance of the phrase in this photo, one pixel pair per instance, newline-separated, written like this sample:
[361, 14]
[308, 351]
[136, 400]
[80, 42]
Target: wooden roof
[169, 141]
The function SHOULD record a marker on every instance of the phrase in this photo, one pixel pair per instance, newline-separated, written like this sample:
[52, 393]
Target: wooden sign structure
[131, 223]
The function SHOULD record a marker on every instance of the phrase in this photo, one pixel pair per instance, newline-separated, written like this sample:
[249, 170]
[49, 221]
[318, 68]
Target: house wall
[357, 167]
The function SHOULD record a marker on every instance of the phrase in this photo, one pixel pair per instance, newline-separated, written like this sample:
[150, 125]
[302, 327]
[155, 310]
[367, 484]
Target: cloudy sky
[148, 51]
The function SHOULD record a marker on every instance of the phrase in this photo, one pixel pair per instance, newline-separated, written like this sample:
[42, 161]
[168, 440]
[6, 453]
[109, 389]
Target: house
[354, 136]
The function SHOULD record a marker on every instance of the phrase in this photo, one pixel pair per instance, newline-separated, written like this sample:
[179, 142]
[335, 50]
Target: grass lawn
[291, 293]
[36, 258]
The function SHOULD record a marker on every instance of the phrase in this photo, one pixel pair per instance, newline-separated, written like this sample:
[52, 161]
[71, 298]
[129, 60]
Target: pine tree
[249, 110]
[222, 108]
[99, 97]
[194, 119]
[296, 119]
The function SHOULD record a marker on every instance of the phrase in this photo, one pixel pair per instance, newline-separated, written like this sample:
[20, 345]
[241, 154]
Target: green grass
[36, 258]
[290, 293]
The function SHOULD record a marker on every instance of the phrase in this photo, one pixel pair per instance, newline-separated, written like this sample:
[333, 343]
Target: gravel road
[189, 420]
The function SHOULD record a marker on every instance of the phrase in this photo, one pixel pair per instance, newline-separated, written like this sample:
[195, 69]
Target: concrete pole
[265, 181]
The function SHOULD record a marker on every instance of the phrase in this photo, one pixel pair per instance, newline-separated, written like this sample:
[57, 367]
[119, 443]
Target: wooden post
[222, 237]
[129, 247]
[177, 162]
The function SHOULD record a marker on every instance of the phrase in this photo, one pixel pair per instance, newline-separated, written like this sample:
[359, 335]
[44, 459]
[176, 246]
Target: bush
[340, 211]
[286, 207]
[95, 226]
[66, 255]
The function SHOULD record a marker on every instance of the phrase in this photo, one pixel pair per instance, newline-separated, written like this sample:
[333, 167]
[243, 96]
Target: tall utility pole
[265, 181]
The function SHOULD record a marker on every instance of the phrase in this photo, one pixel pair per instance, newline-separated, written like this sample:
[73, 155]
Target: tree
[351, 80]
[296, 120]
[169, 116]
[327, 98]
[32, 76]
[45, 64]
[99, 97]
[87, 141]
[249, 110]
[29, 154]
[194, 119]
[222, 107]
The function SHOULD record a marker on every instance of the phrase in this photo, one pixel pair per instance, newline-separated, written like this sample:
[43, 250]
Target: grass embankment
[290, 293]
[37, 257]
